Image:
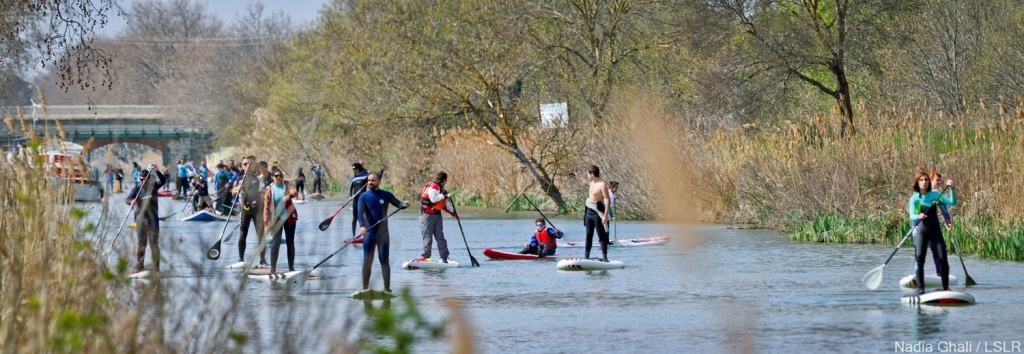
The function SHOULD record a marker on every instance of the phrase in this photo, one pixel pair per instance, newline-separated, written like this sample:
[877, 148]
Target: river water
[713, 288]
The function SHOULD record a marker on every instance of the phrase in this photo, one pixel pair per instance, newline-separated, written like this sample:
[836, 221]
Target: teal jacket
[919, 204]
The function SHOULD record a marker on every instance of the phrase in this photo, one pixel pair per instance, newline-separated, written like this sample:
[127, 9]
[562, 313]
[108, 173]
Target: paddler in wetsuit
[147, 221]
[355, 188]
[596, 215]
[434, 198]
[372, 206]
[929, 229]
[542, 243]
[250, 184]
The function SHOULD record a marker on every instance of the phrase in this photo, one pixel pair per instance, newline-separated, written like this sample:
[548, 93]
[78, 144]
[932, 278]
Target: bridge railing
[91, 112]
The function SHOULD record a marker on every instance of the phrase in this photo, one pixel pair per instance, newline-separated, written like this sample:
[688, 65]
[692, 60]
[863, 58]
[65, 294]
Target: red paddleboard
[511, 256]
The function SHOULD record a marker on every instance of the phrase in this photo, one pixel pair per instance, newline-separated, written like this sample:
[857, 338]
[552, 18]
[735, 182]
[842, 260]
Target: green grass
[982, 238]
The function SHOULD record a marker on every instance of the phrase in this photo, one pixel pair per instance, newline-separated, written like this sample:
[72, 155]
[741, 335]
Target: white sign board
[554, 115]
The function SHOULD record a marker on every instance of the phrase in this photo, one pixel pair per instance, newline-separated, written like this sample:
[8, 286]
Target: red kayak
[358, 240]
[511, 256]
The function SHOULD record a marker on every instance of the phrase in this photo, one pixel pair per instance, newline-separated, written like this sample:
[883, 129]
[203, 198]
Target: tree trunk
[843, 99]
[546, 184]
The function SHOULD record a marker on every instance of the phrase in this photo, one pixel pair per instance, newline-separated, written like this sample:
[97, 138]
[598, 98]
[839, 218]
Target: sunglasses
[278, 176]
[540, 224]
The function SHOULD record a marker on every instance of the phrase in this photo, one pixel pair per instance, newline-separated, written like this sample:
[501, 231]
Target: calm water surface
[711, 289]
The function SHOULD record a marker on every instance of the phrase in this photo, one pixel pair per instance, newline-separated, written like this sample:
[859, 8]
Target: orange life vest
[428, 206]
[545, 239]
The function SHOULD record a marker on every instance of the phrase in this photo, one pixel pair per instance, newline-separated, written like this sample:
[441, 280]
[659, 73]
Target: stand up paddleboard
[588, 264]
[316, 196]
[414, 264]
[930, 281]
[241, 265]
[499, 255]
[647, 241]
[166, 193]
[202, 215]
[298, 201]
[945, 297]
[265, 274]
[372, 294]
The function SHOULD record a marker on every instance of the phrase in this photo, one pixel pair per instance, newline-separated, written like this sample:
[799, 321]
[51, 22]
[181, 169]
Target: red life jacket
[428, 206]
[545, 239]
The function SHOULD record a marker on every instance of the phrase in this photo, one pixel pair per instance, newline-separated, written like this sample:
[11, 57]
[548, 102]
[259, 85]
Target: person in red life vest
[434, 198]
[542, 243]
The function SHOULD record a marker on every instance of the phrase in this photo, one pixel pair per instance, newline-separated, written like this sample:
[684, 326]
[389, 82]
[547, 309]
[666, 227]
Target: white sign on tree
[554, 115]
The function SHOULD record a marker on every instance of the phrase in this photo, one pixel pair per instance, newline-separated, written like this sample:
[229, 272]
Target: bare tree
[812, 41]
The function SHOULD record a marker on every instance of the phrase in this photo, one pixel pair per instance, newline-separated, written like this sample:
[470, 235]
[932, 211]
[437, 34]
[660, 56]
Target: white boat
[61, 156]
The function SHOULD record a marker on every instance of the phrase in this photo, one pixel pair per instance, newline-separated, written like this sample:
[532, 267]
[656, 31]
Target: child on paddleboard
[542, 243]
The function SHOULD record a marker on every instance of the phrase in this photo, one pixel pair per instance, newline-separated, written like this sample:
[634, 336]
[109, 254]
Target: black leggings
[316, 186]
[922, 235]
[289, 234]
[256, 218]
[300, 188]
[592, 221]
[148, 230]
[355, 219]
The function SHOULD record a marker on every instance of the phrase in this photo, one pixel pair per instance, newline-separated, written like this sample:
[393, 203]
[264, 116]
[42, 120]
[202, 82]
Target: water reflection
[928, 322]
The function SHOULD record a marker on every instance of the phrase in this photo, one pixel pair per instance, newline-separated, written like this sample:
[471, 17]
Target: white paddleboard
[588, 264]
[413, 264]
[647, 241]
[265, 274]
[930, 281]
[241, 265]
[372, 294]
[945, 297]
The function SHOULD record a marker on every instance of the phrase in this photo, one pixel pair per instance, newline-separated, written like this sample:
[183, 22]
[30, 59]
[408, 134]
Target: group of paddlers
[265, 199]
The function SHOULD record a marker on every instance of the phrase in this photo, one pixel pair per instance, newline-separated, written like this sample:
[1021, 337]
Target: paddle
[874, 277]
[472, 259]
[327, 223]
[538, 209]
[970, 281]
[214, 252]
[191, 195]
[517, 197]
[130, 209]
[297, 279]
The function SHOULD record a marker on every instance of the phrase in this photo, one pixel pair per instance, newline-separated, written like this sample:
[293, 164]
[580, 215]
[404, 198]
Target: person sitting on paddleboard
[372, 207]
[147, 220]
[202, 194]
[936, 181]
[542, 243]
[928, 229]
[278, 197]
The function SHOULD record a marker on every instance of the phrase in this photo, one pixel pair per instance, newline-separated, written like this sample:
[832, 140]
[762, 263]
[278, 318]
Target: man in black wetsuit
[147, 220]
[251, 204]
[596, 215]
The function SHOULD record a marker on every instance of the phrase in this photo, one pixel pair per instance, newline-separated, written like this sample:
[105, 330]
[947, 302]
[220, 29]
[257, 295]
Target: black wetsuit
[930, 230]
[592, 221]
[251, 203]
[147, 219]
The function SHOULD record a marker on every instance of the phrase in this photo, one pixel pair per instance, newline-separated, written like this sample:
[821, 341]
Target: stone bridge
[154, 126]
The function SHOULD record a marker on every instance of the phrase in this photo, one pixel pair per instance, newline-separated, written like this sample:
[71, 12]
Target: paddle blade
[295, 281]
[473, 260]
[214, 252]
[325, 224]
[970, 281]
[874, 277]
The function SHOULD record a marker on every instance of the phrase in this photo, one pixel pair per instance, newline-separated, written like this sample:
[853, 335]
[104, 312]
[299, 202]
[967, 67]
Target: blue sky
[300, 11]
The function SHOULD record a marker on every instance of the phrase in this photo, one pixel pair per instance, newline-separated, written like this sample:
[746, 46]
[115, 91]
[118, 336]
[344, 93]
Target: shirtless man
[596, 215]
